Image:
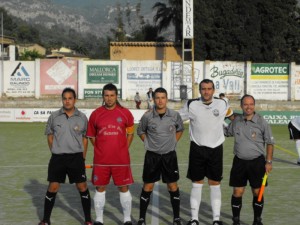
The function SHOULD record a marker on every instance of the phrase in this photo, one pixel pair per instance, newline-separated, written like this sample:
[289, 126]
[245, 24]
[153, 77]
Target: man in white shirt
[206, 115]
[294, 130]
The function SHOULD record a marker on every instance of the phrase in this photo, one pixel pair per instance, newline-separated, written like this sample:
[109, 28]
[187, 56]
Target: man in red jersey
[110, 129]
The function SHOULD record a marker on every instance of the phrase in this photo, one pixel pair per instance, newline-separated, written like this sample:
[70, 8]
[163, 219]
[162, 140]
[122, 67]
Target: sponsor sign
[96, 93]
[41, 114]
[188, 20]
[19, 80]
[141, 75]
[6, 115]
[269, 81]
[279, 117]
[228, 77]
[23, 115]
[102, 74]
[57, 74]
[297, 82]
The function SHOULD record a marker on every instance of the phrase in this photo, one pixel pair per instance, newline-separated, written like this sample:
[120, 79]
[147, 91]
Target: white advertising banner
[42, 114]
[6, 115]
[297, 82]
[188, 21]
[19, 79]
[228, 77]
[269, 81]
[57, 74]
[1, 78]
[139, 76]
[23, 115]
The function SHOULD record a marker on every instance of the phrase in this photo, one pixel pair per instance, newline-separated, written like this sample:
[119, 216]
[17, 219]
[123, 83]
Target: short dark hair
[246, 96]
[68, 89]
[207, 81]
[109, 87]
[221, 95]
[160, 90]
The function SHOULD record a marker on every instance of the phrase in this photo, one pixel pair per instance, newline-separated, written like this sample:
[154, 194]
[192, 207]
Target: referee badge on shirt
[216, 112]
[253, 135]
[76, 127]
[171, 128]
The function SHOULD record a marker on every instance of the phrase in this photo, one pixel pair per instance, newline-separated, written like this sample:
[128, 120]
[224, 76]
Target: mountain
[85, 16]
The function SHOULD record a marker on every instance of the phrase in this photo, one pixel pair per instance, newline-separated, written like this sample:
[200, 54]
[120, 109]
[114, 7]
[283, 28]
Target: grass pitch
[24, 157]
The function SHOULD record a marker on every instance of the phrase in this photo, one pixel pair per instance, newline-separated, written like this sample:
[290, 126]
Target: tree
[169, 15]
[27, 34]
[119, 32]
[148, 32]
[138, 13]
[134, 28]
[280, 30]
[30, 55]
[8, 24]
[79, 48]
[259, 31]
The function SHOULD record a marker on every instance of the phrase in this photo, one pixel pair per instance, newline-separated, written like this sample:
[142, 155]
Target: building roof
[66, 55]
[7, 40]
[30, 45]
[146, 44]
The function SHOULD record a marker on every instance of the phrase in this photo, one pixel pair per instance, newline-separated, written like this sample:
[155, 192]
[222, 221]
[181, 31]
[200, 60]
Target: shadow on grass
[284, 161]
[165, 207]
[68, 200]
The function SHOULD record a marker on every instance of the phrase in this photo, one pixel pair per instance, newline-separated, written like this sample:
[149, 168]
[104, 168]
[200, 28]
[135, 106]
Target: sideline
[285, 150]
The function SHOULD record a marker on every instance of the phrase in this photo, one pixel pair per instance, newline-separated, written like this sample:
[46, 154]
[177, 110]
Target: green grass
[24, 157]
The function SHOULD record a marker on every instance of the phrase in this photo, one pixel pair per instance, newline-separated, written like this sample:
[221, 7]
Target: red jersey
[109, 129]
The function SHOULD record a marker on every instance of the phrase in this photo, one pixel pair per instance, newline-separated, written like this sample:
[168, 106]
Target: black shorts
[205, 162]
[160, 165]
[247, 170]
[294, 132]
[61, 165]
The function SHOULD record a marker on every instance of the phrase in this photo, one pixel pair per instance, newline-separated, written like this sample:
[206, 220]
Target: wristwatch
[269, 161]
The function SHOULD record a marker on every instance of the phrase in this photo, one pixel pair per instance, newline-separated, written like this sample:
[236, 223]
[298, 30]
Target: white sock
[298, 148]
[215, 199]
[126, 202]
[99, 202]
[195, 200]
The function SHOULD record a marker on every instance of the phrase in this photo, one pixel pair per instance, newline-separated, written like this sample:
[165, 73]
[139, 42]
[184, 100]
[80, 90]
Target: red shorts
[121, 175]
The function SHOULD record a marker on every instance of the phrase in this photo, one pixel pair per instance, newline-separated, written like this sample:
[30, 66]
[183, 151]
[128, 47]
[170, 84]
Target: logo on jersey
[216, 112]
[119, 120]
[95, 177]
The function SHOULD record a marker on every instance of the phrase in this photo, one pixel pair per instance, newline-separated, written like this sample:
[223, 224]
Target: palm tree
[167, 15]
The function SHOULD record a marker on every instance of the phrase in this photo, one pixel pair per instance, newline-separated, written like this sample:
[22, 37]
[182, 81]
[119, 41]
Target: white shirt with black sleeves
[206, 121]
